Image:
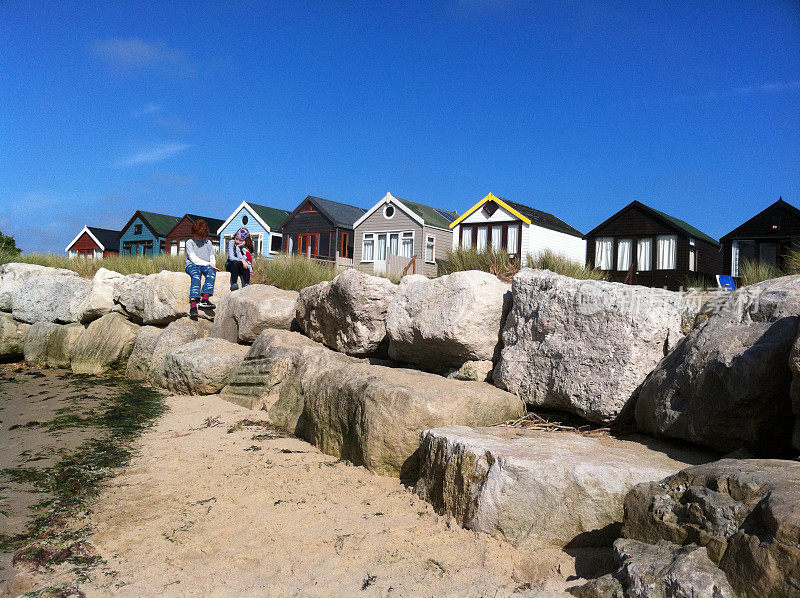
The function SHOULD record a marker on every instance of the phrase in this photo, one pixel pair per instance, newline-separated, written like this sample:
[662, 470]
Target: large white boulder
[727, 385]
[201, 367]
[242, 315]
[12, 338]
[139, 365]
[100, 299]
[50, 298]
[51, 344]
[163, 297]
[13, 274]
[104, 346]
[584, 346]
[447, 321]
[176, 334]
[539, 488]
[369, 414]
[348, 314]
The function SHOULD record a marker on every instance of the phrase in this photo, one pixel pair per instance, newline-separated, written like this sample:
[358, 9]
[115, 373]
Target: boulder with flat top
[201, 367]
[14, 274]
[371, 415]
[441, 323]
[243, 314]
[100, 299]
[53, 298]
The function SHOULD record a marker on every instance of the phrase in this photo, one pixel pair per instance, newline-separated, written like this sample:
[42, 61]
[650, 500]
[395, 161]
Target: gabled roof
[340, 214]
[671, 221]
[778, 204]
[525, 213]
[158, 224]
[420, 213]
[213, 223]
[106, 239]
[270, 218]
[109, 239]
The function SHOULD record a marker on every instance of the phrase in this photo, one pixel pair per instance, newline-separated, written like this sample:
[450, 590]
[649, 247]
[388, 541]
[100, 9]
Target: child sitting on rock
[200, 262]
[236, 263]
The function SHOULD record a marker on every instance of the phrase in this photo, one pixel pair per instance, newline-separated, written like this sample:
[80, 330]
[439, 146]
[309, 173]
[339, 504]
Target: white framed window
[644, 255]
[667, 252]
[388, 211]
[275, 242]
[182, 246]
[624, 254]
[430, 249]
[512, 242]
[368, 247]
[483, 233]
[466, 237]
[497, 236]
[735, 258]
[604, 253]
[407, 244]
[290, 244]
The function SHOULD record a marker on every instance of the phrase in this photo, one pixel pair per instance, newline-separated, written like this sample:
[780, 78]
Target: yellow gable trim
[498, 201]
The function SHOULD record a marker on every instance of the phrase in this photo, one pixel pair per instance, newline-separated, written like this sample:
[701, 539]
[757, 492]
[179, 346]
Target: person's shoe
[193, 313]
[234, 287]
[247, 284]
[205, 303]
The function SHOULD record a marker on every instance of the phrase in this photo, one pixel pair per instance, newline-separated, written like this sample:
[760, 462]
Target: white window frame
[386, 207]
[674, 257]
[404, 236]
[428, 239]
[364, 238]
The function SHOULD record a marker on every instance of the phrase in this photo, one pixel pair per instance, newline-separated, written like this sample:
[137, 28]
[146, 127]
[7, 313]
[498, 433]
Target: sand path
[204, 511]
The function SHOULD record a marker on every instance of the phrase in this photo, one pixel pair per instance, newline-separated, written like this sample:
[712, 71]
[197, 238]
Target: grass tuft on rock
[499, 263]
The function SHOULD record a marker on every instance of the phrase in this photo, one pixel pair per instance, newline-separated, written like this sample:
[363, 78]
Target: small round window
[388, 211]
[245, 220]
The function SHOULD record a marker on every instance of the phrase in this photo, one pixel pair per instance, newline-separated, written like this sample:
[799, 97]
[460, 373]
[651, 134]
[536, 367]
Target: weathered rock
[201, 367]
[12, 338]
[480, 371]
[246, 313]
[743, 511]
[584, 346]
[371, 415]
[176, 334]
[660, 570]
[162, 298]
[105, 345]
[348, 314]
[794, 390]
[537, 488]
[447, 321]
[50, 298]
[100, 299]
[727, 384]
[13, 274]
[140, 362]
[51, 344]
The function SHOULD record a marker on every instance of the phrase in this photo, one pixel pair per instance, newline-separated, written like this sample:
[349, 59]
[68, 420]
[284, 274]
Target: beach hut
[262, 222]
[400, 236]
[182, 232]
[519, 229]
[642, 245]
[146, 233]
[322, 229]
[765, 238]
[93, 242]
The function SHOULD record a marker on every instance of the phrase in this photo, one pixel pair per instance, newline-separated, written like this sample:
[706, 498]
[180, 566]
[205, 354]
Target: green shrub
[549, 260]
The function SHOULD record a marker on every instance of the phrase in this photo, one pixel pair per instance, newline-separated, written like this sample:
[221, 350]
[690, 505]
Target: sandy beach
[216, 502]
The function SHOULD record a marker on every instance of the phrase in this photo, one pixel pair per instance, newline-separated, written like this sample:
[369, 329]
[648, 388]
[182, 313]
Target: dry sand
[204, 511]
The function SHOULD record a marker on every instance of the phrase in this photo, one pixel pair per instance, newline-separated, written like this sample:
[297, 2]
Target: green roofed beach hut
[145, 233]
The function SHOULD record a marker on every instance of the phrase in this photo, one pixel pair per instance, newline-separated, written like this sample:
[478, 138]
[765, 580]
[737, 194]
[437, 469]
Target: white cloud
[162, 151]
[132, 53]
[768, 87]
[146, 110]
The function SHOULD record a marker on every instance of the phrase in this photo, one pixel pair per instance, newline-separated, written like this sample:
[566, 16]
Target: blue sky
[575, 108]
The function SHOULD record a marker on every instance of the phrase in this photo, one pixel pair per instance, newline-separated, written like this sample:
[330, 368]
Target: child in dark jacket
[237, 263]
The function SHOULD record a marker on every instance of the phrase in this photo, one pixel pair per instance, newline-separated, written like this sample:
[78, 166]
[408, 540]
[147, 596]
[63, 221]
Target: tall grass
[494, 261]
[549, 260]
[753, 272]
[292, 272]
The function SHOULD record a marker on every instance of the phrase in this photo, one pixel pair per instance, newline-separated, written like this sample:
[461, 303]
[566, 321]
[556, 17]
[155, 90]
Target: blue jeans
[195, 271]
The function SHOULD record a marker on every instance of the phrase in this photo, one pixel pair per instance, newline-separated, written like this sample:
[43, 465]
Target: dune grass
[753, 272]
[499, 263]
[292, 272]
